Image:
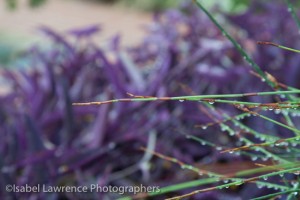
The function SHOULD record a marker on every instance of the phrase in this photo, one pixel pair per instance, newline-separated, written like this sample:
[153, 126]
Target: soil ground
[18, 28]
[62, 15]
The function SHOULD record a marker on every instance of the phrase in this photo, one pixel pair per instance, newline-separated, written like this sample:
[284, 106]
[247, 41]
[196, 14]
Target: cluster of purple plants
[46, 140]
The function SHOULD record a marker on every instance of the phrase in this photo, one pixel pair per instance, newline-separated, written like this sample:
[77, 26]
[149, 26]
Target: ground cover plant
[147, 5]
[195, 94]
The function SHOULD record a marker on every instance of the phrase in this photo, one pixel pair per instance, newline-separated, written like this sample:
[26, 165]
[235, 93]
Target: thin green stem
[279, 46]
[238, 182]
[189, 98]
[289, 49]
[279, 123]
[269, 196]
[236, 45]
[293, 12]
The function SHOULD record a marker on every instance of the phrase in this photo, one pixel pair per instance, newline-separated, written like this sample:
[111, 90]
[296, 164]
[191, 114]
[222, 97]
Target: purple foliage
[47, 140]
[262, 22]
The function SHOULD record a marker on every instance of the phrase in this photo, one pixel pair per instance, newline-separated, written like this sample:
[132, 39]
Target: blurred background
[19, 19]
[56, 52]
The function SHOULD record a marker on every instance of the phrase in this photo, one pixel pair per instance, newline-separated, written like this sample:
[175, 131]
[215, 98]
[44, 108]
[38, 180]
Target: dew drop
[111, 145]
[190, 167]
[294, 183]
[262, 139]
[63, 169]
[219, 148]
[204, 127]
[264, 159]
[265, 178]
[225, 181]
[295, 193]
[254, 158]
[211, 102]
[240, 183]
[257, 149]
[259, 186]
[224, 128]
[220, 187]
[181, 100]
[297, 173]
[294, 144]
[277, 111]
[231, 133]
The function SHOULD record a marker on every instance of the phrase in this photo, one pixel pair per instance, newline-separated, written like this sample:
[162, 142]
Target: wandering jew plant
[225, 111]
[276, 156]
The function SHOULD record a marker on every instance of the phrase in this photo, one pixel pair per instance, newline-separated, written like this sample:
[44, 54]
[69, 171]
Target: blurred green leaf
[35, 3]
[11, 4]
